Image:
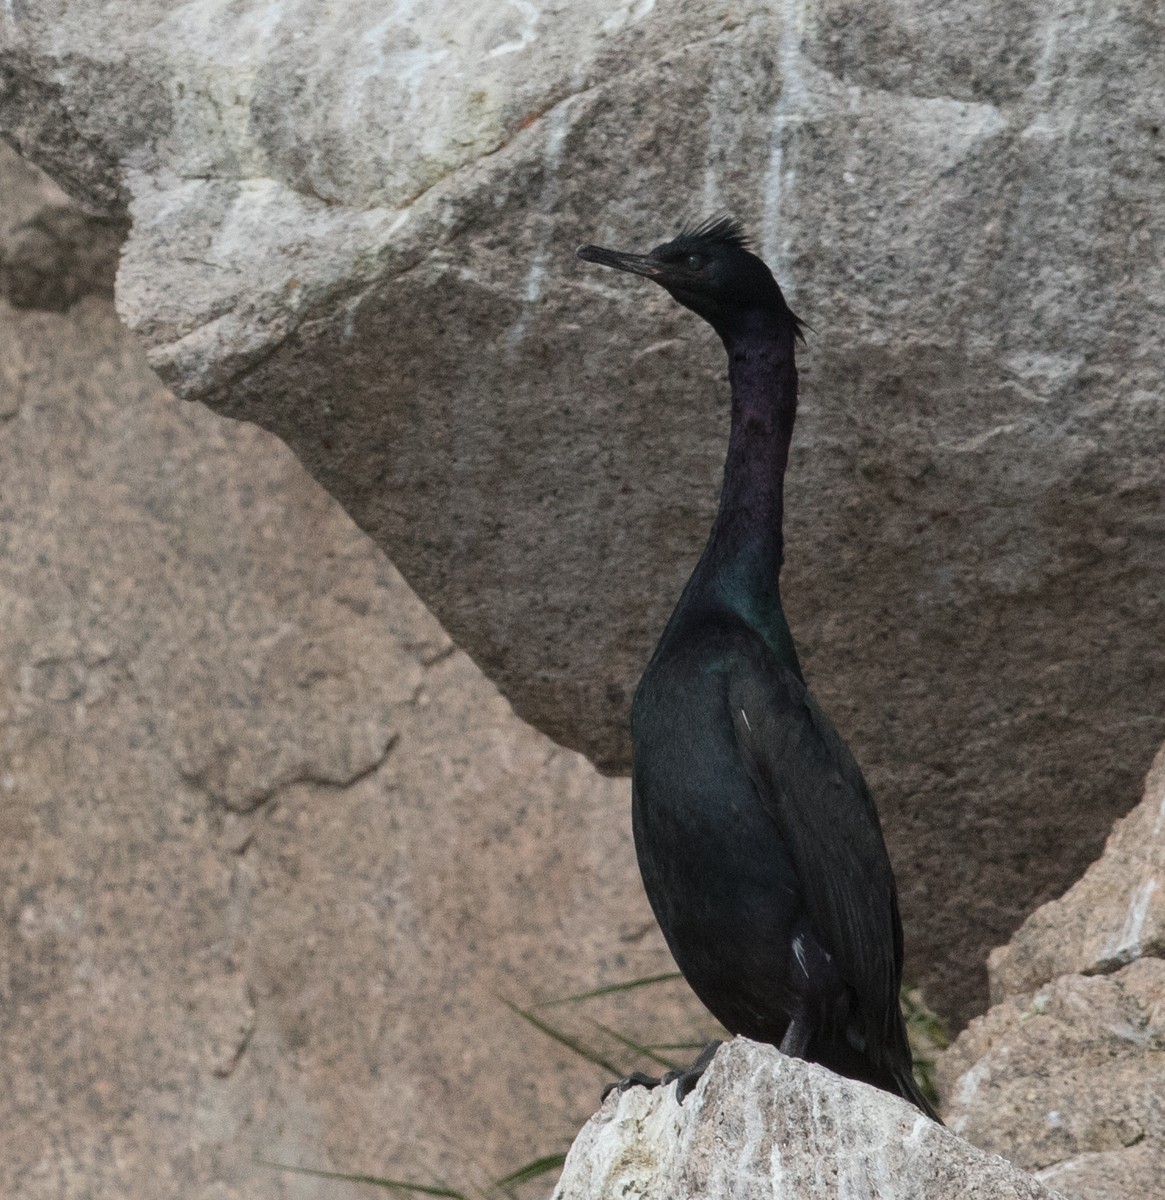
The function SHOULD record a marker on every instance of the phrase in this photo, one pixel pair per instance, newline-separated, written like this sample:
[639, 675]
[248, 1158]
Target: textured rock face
[272, 848]
[50, 253]
[1069, 1082]
[356, 230]
[1066, 1074]
[760, 1126]
[1113, 916]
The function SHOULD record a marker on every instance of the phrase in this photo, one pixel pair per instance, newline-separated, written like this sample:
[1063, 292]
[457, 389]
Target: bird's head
[710, 270]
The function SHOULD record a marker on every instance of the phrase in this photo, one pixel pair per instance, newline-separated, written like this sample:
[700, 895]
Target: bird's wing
[808, 781]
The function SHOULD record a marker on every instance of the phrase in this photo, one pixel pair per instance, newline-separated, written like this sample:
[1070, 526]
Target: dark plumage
[758, 840]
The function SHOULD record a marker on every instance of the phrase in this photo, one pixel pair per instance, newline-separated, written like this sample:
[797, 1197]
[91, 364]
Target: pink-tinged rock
[1069, 1082]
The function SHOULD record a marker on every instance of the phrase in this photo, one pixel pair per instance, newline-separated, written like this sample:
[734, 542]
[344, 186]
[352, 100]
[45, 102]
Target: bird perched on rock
[758, 840]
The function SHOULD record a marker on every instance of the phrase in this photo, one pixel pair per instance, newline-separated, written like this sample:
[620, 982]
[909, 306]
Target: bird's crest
[721, 230]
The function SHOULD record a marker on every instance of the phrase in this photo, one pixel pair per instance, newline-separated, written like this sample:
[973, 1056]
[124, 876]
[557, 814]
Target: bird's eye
[695, 262]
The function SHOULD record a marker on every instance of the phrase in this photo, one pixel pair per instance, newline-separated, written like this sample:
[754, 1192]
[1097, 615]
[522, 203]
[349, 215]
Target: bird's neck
[763, 376]
[741, 564]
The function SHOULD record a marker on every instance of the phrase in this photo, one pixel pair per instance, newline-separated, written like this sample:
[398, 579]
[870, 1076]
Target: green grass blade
[928, 1034]
[389, 1185]
[564, 1039]
[610, 988]
[532, 1170]
[637, 1047]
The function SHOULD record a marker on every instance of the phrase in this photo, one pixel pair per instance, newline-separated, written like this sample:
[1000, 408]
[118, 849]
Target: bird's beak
[637, 264]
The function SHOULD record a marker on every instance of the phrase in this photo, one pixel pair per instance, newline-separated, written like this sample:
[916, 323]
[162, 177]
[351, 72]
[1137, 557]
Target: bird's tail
[891, 1072]
[908, 1089]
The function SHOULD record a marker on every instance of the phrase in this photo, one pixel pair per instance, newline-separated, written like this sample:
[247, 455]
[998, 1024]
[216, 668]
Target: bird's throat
[763, 375]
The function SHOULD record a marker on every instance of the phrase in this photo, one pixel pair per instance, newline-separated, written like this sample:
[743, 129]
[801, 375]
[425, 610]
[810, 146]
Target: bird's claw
[685, 1080]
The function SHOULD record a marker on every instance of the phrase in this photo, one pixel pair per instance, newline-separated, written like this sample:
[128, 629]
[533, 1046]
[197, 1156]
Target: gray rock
[760, 1125]
[1065, 1074]
[1114, 915]
[1110, 1175]
[51, 254]
[356, 230]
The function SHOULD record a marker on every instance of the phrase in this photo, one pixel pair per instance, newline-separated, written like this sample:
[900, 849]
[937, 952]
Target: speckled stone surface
[1113, 916]
[272, 851]
[1065, 1074]
[760, 1126]
[355, 226]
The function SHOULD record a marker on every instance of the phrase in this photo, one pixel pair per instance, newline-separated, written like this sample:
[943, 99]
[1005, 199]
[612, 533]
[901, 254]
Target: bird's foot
[635, 1079]
[687, 1079]
[684, 1080]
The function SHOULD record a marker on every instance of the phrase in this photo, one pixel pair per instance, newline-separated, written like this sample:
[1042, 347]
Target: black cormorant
[757, 837]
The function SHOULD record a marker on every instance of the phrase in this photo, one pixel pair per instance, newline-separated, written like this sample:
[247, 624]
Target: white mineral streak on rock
[968, 1087]
[526, 32]
[787, 112]
[1128, 945]
[627, 14]
[559, 122]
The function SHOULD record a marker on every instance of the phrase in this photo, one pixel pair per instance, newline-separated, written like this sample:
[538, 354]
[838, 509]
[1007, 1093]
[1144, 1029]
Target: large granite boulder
[1066, 1073]
[760, 1126]
[355, 227]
